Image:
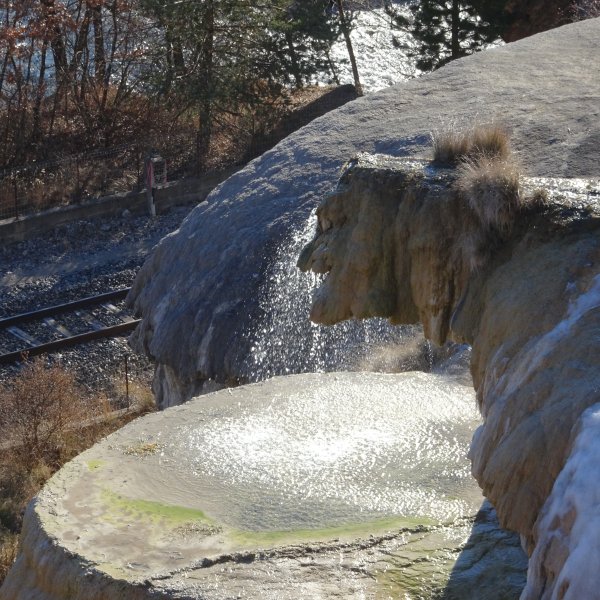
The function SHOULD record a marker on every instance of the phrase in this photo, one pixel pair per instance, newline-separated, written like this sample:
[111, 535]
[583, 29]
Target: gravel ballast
[82, 258]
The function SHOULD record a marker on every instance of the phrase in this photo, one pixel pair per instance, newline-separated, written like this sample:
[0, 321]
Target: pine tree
[444, 30]
[301, 36]
[224, 56]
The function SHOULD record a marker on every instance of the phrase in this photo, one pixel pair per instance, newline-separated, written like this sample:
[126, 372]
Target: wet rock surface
[165, 508]
[200, 292]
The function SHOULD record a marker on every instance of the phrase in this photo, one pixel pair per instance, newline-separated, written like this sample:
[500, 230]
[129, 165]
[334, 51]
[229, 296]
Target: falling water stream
[285, 340]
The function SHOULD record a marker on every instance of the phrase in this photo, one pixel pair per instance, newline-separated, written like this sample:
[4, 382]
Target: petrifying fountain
[354, 485]
[310, 483]
[399, 239]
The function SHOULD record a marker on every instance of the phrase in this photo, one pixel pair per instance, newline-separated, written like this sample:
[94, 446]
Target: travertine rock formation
[199, 293]
[396, 241]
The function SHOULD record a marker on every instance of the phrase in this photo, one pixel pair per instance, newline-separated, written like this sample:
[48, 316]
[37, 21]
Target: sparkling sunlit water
[338, 449]
[285, 341]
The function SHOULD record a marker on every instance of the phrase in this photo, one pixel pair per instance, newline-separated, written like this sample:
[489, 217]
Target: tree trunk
[294, 59]
[346, 31]
[455, 28]
[41, 86]
[57, 42]
[334, 74]
[99, 55]
[206, 102]
[173, 55]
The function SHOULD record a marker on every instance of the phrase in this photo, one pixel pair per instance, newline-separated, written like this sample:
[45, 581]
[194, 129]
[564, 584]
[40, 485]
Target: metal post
[149, 168]
[78, 192]
[127, 382]
[138, 160]
[16, 198]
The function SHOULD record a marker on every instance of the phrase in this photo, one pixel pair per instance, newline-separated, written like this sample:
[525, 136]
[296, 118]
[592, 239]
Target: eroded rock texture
[199, 293]
[396, 241]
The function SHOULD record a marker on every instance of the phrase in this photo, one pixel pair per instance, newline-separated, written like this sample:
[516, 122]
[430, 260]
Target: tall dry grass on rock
[451, 146]
[488, 180]
[491, 187]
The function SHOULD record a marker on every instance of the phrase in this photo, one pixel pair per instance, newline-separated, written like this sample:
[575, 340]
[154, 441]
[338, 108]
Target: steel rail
[113, 331]
[59, 308]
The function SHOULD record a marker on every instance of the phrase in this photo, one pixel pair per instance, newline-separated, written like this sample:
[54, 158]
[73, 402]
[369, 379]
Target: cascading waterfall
[285, 341]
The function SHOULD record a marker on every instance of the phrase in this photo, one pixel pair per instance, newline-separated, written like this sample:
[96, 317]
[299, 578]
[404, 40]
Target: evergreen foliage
[444, 30]
[224, 56]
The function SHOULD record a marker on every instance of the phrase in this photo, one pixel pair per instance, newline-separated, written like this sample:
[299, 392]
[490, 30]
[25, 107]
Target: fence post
[127, 382]
[78, 189]
[149, 172]
[138, 160]
[15, 190]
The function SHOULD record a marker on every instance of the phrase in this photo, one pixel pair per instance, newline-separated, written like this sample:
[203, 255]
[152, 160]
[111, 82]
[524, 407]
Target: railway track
[70, 324]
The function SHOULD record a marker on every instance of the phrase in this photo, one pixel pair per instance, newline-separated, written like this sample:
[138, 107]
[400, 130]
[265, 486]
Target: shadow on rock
[491, 566]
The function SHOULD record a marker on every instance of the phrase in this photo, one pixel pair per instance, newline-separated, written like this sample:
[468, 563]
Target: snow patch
[381, 52]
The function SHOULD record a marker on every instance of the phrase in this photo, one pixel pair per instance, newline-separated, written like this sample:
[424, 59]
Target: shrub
[45, 420]
[40, 412]
[450, 146]
[9, 544]
[137, 395]
[584, 9]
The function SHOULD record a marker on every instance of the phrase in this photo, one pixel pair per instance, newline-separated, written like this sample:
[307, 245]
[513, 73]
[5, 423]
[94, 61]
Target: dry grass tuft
[491, 187]
[138, 396]
[9, 544]
[488, 180]
[450, 146]
[490, 141]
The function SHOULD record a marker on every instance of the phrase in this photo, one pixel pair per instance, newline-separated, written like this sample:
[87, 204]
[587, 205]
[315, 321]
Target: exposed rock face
[199, 293]
[395, 240]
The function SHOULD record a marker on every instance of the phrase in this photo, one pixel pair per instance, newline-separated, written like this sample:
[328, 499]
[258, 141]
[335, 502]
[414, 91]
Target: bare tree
[345, 27]
[41, 411]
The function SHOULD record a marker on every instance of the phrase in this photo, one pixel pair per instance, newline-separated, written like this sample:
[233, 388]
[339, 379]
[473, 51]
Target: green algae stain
[94, 465]
[151, 512]
[121, 509]
[412, 581]
[347, 531]
[419, 569]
